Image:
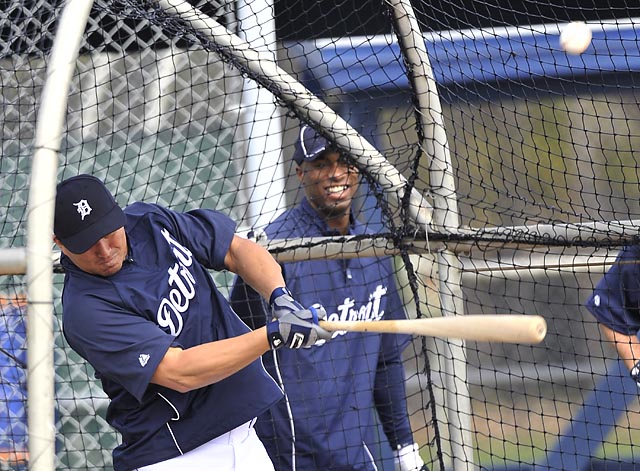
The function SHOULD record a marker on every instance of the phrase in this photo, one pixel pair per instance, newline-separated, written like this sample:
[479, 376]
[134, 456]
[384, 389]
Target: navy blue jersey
[327, 422]
[615, 301]
[163, 296]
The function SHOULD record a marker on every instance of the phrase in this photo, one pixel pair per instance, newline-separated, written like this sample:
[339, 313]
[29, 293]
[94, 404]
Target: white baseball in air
[575, 37]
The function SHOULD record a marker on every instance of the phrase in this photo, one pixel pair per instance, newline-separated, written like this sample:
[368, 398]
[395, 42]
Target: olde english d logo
[83, 208]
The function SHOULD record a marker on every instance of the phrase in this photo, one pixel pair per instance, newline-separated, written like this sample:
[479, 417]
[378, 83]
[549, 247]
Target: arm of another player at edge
[199, 366]
[628, 346]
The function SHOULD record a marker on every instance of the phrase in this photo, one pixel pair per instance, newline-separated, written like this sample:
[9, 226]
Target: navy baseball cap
[309, 146]
[85, 212]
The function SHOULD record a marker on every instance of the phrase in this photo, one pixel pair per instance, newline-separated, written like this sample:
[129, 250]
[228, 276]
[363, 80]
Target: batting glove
[294, 332]
[407, 458]
[281, 303]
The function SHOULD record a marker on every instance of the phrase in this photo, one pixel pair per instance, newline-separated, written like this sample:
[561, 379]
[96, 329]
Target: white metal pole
[261, 120]
[40, 313]
[445, 217]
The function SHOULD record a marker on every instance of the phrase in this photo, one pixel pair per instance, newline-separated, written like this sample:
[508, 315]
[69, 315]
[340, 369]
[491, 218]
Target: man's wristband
[274, 336]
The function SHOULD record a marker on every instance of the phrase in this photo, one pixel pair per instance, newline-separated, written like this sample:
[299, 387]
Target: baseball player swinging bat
[504, 328]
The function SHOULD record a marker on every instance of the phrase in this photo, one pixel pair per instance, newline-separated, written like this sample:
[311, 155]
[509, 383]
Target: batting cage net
[497, 168]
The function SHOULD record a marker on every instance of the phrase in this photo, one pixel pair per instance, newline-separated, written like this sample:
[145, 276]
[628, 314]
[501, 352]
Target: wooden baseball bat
[504, 328]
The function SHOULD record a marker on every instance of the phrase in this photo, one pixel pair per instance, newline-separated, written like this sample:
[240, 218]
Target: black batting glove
[281, 303]
[292, 331]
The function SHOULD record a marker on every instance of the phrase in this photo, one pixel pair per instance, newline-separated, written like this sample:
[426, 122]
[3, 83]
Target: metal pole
[435, 145]
[44, 170]
[260, 120]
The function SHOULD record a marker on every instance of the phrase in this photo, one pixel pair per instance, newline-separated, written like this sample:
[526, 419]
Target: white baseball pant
[237, 450]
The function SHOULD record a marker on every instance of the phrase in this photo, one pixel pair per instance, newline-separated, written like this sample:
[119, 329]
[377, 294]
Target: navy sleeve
[615, 301]
[391, 403]
[95, 328]
[207, 233]
[392, 344]
[389, 390]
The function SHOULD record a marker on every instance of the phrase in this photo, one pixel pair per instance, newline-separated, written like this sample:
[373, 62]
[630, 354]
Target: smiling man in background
[326, 422]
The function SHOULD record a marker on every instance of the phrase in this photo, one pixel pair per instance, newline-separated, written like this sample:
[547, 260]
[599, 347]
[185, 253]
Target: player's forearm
[199, 366]
[255, 265]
